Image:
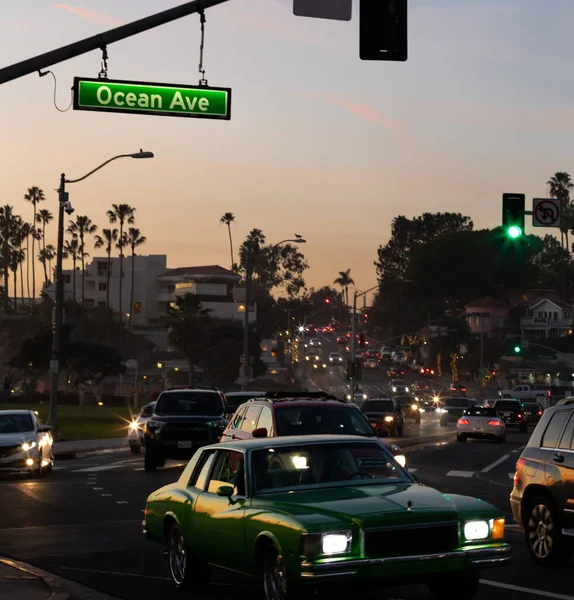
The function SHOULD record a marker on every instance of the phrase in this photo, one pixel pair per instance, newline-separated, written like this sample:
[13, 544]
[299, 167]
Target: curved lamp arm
[140, 154]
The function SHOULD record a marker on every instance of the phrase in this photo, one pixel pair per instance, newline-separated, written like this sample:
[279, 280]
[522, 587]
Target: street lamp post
[64, 206]
[251, 248]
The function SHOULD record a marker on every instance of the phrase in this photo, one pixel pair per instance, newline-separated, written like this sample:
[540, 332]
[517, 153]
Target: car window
[477, 411]
[16, 423]
[456, 402]
[346, 420]
[239, 418]
[567, 441]
[507, 405]
[554, 429]
[250, 420]
[190, 402]
[378, 406]
[266, 420]
[199, 477]
[323, 465]
[228, 470]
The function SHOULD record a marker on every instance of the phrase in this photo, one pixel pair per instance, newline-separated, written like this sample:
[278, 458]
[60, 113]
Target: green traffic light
[514, 231]
[517, 349]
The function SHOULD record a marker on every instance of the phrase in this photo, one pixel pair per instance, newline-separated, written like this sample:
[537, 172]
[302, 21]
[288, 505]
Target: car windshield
[234, 401]
[15, 423]
[507, 405]
[329, 420]
[479, 411]
[455, 402]
[398, 382]
[378, 406]
[324, 465]
[190, 403]
[531, 406]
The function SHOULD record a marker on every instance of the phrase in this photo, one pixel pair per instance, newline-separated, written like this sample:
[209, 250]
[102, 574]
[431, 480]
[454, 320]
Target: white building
[547, 319]
[155, 288]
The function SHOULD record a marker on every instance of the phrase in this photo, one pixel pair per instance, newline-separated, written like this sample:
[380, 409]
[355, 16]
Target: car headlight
[394, 389]
[154, 425]
[389, 419]
[134, 425]
[414, 406]
[364, 396]
[401, 459]
[324, 366]
[336, 543]
[476, 530]
[28, 446]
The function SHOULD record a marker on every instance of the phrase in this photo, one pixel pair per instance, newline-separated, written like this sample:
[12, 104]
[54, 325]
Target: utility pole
[353, 341]
[250, 249]
[100, 41]
[58, 310]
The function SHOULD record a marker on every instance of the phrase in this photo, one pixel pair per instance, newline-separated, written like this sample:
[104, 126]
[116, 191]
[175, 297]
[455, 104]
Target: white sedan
[25, 444]
[480, 422]
[137, 426]
[335, 358]
[314, 342]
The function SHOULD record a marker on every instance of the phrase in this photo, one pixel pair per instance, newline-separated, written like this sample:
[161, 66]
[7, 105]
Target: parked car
[542, 498]
[512, 413]
[268, 498]
[384, 414]
[480, 423]
[26, 445]
[304, 413]
[453, 408]
[182, 421]
[136, 438]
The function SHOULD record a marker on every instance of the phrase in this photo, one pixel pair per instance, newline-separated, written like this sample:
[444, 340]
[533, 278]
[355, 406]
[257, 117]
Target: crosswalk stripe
[98, 469]
[460, 474]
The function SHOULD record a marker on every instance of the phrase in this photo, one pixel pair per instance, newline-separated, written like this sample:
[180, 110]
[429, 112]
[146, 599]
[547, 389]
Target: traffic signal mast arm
[100, 41]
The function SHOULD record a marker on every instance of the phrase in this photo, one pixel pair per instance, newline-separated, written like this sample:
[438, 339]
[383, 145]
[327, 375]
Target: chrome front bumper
[495, 556]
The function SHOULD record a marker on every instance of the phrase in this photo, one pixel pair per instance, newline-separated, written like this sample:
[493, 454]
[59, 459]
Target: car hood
[369, 505]
[13, 439]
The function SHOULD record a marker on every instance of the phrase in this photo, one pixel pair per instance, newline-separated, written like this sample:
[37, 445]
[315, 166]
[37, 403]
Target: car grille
[183, 432]
[411, 541]
[6, 451]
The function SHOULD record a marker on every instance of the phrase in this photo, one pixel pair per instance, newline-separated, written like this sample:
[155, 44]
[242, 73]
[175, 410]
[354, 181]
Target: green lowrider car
[300, 513]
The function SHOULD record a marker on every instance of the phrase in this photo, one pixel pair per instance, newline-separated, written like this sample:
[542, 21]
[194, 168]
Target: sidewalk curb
[71, 455]
[54, 583]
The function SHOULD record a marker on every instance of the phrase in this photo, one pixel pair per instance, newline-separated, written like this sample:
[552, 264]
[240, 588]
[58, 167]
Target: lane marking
[98, 488]
[106, 495]
[122, 502]
[98, 469]
[495, 463]
[518, 588]
[72, 525]
[460, 474]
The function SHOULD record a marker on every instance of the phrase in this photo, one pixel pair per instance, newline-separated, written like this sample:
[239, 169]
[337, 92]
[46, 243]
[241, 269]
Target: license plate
[478, 429]
[184, 444]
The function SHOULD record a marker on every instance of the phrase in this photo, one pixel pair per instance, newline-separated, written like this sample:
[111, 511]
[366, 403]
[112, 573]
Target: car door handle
[234, 437]
[559, 458]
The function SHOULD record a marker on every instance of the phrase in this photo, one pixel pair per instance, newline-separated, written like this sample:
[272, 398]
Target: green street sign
[106, 95]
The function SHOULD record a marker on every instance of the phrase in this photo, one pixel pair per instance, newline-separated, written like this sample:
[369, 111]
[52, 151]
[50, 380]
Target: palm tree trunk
[34, 256]
[132, 290]
[230, 243]
[109, 275]
[121, 269]
[45, 271]
[567, 241]
[28, 266]
[83, 280]
[74, 263]
[15, 275]
[44, 235]
[21, 282]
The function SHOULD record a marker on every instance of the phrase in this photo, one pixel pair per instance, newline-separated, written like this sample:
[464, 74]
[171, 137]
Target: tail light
[494, 423]
[519, 415]
[463, 422]
[539, 412]
[549, 393]
[519, 464]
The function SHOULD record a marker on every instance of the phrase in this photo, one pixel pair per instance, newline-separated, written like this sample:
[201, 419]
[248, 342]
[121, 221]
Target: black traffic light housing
[383, 30]
[513, 209]
[350, 371]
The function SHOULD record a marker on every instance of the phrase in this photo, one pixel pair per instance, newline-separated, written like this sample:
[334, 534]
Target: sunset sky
[319, 142]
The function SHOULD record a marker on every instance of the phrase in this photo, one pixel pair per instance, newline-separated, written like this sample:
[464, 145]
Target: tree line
[23, 246]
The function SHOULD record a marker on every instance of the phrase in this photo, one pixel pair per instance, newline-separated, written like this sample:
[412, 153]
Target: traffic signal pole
[100, 41]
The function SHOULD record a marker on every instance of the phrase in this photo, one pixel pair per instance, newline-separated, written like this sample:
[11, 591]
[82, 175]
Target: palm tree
[79, 229]
[34, 195]
[559, 186]
[122, 214]
[134, 239]
[43, 258]
[345, 280]
[227, 219]
[44, 217]
[25, 235]
[108, 239]
[17, 256]
[9, 225]
[72, 250]
[50, 256]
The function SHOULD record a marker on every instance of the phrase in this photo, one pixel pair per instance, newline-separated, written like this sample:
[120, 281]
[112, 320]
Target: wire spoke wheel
[274, 576]
[177, 557]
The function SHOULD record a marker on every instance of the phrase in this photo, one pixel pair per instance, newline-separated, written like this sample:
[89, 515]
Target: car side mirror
[225, 491]
[260, 432]
[413, 475]
[44, 429]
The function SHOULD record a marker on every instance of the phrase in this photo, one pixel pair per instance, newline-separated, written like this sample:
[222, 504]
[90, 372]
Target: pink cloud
[397, 128]
[85, 13]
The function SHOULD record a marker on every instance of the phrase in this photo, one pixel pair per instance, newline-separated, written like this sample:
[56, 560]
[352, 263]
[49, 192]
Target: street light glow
[514, 231]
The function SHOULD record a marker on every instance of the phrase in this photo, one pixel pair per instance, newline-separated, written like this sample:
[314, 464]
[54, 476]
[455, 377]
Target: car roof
[177, 390]
[16, 411]
[290, 440]
[252, 394]
[316, 402]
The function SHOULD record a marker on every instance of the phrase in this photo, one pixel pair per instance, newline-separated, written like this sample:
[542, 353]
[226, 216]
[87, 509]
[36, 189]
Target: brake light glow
[463, 422]
[519, 415]
[549, 393]
[519, 464]
[494, 423]
[539, 412]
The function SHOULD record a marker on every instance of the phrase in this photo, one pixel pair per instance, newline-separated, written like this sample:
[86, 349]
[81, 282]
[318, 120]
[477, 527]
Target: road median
[71, 450]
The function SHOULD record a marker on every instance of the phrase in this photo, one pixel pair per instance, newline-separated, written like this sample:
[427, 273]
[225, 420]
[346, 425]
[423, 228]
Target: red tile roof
[209, 270]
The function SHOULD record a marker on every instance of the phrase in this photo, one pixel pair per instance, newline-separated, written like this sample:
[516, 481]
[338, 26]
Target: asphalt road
[84, 523]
